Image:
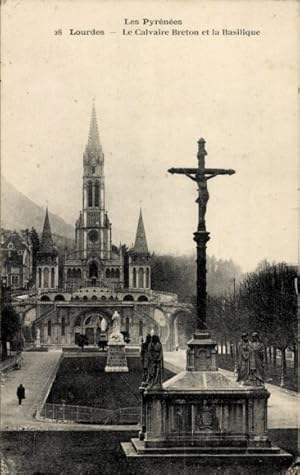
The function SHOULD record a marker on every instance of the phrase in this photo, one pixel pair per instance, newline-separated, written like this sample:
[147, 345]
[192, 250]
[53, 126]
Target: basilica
[78, 294]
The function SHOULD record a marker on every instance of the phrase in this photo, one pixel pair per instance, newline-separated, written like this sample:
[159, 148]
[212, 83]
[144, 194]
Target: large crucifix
[201, 175]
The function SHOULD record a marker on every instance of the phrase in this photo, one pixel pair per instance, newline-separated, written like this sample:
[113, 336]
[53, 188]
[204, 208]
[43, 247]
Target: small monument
[201, 420]
[116, 357]
[38, 338]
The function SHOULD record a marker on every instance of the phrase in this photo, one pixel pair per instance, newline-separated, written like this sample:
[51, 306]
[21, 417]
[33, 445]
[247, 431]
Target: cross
[201, 175]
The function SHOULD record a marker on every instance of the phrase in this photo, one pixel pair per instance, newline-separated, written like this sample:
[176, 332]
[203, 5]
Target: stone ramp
[34, 374]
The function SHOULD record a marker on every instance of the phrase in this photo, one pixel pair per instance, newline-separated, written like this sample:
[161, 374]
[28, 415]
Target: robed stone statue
[156, 364]
[145, 359]
[256, 364]
[243, 368]
[250, 367]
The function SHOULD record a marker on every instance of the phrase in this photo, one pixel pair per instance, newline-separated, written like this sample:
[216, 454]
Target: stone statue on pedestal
[250, 366]
[116, 319]
[116, 334]
[145, 359]
[116, 355]
[243, 368]
[256, 364]
[156, 364]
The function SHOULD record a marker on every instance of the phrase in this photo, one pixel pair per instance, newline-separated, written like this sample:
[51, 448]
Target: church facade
[96, 278]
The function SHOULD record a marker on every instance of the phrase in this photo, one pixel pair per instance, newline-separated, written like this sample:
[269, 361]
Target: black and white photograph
[149, 234]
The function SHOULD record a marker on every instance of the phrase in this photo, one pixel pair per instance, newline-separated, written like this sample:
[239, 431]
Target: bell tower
[93, 228]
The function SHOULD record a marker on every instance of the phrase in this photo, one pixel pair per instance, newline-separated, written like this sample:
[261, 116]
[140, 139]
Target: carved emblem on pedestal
[207, 419]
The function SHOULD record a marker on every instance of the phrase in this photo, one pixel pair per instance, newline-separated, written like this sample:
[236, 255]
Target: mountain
[19, 212]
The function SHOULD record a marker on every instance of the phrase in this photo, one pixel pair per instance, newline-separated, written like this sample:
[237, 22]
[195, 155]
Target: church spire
[140, 245]
[93, 138]
[93, 156]
[47, 245]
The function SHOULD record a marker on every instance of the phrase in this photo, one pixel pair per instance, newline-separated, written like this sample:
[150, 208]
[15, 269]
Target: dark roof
[17, 241]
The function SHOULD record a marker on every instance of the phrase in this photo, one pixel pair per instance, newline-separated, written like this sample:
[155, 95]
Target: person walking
[21, 393]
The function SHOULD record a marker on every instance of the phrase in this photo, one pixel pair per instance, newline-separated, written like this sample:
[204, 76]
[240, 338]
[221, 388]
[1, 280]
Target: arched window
[63, 326]
[46, 277]
[97, 194]
[59, 298]
[127, 322]
[117, 274]
[40, 277]
[93, 270]
[94, 297]
[45, 298]
[49, 327]
[69, 274]
[90, 194]
[143, 298]
[141, 328]
[141, 278]
[128, 298]
[134, 277]
[147, 278]
[107, 273]
[103, 297]
[112, 273]
[85, 297]
[52, 278]
[78, 274]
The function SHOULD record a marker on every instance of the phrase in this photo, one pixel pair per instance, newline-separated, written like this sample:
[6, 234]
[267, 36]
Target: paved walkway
[37, 368]
[283, 406]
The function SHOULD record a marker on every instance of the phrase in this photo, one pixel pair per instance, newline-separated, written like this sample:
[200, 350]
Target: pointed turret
[140, 245]
[47, 244]
[47, 259]
[138, 261]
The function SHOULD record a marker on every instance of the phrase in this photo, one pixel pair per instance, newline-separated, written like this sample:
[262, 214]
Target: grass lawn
[62, 453]
[82, 381]
[84, 453]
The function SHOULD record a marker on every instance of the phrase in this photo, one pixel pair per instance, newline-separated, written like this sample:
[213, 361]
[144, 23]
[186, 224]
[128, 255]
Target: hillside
[19, 212]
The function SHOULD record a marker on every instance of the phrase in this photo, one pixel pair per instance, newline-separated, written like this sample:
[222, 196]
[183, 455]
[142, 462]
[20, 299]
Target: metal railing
[91, 415]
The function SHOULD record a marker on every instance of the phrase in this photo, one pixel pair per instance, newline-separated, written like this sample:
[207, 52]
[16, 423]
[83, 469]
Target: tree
[10, 326]
[268, 296]
[35, 241]
[178, 274]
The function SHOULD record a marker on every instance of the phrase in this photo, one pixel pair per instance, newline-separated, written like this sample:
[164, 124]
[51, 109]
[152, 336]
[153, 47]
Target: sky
[155, 97]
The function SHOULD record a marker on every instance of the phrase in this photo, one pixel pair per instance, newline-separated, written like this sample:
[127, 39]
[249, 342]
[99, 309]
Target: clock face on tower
[93, 236]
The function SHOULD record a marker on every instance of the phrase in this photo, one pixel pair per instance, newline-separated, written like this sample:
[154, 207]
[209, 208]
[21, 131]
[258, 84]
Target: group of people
[250, 367]
[152, 361]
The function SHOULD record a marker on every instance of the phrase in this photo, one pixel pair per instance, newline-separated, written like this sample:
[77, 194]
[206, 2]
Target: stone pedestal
[203, 421]
[116, 358]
